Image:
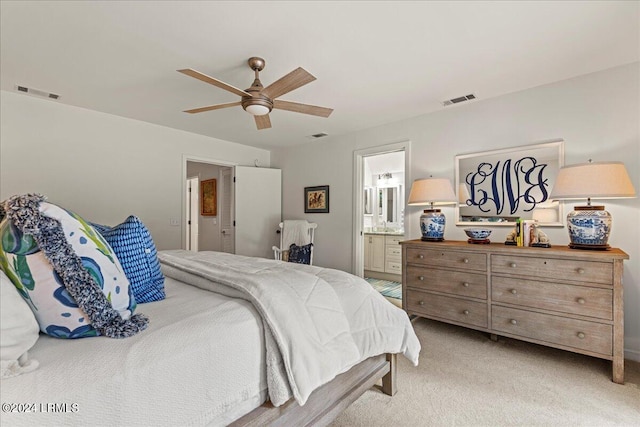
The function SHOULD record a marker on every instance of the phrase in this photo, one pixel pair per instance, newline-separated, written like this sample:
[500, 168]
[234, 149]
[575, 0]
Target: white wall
[102, 166]
[597, 115]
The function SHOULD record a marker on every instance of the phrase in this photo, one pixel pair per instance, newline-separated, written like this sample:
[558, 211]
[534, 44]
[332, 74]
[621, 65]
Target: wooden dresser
[565, 298]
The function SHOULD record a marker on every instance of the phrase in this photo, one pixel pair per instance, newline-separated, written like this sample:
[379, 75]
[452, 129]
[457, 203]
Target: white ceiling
[375, 62]
[388, 162]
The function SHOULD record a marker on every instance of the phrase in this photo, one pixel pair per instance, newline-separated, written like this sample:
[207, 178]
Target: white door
[193, 214]
[226, 211]
[258, 204]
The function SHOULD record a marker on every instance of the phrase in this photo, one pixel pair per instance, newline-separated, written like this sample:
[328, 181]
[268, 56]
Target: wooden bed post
[389, 383]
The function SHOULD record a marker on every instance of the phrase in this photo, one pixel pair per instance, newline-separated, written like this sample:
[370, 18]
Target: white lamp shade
[257, 110]
[598, 180]
[463, 194]
[437, 191]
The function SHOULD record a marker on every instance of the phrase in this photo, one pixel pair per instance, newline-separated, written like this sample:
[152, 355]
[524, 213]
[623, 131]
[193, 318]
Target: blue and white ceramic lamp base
[432, 223]
[589, 227]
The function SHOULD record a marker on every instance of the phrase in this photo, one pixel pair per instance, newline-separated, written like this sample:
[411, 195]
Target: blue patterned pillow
[134, 247]
[300, 254]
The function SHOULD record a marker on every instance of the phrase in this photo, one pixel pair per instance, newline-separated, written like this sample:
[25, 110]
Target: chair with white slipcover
[296, 241]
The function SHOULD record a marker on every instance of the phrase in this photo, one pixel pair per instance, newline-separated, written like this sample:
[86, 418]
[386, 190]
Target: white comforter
[318, 322]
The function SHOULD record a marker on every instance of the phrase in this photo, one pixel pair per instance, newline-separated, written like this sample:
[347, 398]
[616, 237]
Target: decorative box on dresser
[565, 298]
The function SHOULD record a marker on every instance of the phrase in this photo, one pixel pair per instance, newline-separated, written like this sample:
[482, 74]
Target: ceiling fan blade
[263, 122]
[293, 80]
[207, 79]
[302, 108]
[212, 107]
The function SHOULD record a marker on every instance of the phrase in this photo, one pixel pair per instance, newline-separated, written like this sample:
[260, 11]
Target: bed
[218, 350]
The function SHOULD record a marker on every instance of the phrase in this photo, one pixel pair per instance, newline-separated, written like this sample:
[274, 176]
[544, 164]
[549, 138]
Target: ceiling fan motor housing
[256, 98]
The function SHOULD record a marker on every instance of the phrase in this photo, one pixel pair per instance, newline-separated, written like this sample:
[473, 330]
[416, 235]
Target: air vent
[37, 92]
[459, 99]
[318, 135]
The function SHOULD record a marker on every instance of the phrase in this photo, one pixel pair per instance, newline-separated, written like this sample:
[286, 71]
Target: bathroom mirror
[389, 204]
[368, 202]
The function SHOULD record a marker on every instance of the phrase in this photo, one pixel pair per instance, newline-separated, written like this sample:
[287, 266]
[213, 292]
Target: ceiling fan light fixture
[257, 110]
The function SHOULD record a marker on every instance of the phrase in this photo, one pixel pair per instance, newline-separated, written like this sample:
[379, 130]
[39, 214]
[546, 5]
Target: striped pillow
[134, 247]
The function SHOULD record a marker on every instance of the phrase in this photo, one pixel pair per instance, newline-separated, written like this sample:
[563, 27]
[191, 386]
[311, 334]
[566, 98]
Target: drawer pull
[421, 256]
[466, 260]
[580, 271]
[466, 312]
[421, 277]
[513, 291]
[513, 265]
[581, 301]
[465, 284]
[513, 321]
[421, 302]
[581, 335]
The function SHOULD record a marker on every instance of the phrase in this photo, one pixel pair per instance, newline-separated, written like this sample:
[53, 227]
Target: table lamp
[432, 191]
[589, 226]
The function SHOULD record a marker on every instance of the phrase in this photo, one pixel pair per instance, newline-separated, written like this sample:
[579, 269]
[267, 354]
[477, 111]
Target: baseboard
[632, 355]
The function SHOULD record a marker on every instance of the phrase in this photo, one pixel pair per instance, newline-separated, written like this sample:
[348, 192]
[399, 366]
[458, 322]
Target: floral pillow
[67, 273]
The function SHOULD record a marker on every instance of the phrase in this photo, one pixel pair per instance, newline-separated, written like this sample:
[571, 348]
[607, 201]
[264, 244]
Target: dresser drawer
[447, 258]
[582, 300]
[451, 282]
[447, 308]
[559, 269]
[580, 334]
[394, 252]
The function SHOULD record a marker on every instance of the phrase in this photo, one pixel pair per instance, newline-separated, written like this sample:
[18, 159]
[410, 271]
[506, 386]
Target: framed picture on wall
[316, 199]
[208, 198]
[497, 187]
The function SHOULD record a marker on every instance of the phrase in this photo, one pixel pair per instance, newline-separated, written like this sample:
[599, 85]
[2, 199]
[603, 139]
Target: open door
[227, 236]
[258, 210]
[193, 213]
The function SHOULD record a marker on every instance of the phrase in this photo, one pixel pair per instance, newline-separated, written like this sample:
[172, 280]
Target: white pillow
[18, 331]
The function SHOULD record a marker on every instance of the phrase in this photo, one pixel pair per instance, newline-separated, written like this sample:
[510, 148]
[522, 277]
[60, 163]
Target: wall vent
[318, 135]
[37, 92]
[459, 99]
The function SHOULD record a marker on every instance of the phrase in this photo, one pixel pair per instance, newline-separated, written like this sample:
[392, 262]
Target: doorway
[248, 208]
[203, 230]
[380, 184]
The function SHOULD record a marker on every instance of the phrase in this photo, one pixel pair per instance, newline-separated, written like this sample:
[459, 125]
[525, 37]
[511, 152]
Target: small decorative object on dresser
[571, 300]
[478, 235]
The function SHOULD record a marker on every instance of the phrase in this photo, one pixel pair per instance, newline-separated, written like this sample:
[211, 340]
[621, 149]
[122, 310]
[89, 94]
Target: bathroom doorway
[380, 183]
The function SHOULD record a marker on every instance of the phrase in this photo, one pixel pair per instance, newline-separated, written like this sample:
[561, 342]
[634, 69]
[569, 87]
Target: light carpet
[465, 379]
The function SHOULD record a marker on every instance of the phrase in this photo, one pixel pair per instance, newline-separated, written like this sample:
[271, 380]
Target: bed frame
[326, 402]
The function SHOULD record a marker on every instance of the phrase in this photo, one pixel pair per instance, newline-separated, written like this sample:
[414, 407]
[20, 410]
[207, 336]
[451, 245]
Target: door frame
[198, 159]
[358, 189]
[190, 216]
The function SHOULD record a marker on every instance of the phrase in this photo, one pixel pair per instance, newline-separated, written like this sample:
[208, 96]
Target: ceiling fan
[258, 100]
